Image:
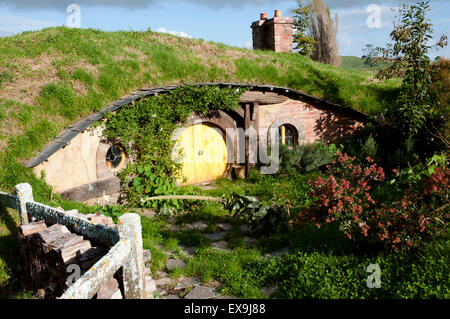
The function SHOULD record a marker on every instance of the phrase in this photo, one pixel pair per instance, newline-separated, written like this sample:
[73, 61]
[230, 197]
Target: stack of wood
[49, 252]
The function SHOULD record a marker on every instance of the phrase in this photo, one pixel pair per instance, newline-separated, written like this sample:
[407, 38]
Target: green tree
[371, 55]
[302, 24]
[411, 45]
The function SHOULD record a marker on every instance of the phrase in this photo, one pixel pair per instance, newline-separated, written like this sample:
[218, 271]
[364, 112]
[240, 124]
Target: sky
[360, 22]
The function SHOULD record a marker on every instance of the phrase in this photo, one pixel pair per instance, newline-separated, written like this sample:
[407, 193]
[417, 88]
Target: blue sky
[225, 21]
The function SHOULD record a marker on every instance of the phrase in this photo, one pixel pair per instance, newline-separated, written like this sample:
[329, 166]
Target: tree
[371, 55]
[302, 24]
[324, 31]
[411, 36]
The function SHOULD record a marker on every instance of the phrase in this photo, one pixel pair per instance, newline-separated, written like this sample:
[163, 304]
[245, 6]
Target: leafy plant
[305, 158]
[267, 219]
[302, 24]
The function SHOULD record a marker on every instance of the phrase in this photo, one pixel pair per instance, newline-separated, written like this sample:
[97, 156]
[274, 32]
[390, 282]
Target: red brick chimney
[273, 34]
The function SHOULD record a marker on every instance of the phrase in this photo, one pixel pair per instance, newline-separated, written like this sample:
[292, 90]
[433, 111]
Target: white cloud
[176, 33]
[10, 25]
[248, 44]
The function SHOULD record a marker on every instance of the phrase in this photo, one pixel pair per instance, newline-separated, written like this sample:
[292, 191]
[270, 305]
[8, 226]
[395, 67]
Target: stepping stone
[161, 274]
[216, 236]
[188, 227]
[188, 282]
[188, 251]
[249, 241]
[244, 228]
[147, 256]
[268, 291]
[201, 292]
[147, 213]
[161, 292]
[224, 226]
[278, 253]
[214, 284]
[164, 282]
[150, 287]
[225, 297]
[220, 245]
[175, 263]
[170, 297]
[199, 225]
[173, 228]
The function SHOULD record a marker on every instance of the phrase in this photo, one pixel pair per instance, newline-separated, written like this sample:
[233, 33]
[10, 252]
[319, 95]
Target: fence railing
[125, 242]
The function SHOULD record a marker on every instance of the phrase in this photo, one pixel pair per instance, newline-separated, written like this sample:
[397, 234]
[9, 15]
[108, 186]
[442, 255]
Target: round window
[115, 158]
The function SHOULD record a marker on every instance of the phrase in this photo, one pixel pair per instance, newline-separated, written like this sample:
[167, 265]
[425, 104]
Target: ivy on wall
[145, 129]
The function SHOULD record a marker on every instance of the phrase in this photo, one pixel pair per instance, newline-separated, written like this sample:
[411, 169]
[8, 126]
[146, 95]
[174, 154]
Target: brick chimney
[273, 34]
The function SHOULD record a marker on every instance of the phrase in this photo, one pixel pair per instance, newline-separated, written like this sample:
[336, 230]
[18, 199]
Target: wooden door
[203, 152]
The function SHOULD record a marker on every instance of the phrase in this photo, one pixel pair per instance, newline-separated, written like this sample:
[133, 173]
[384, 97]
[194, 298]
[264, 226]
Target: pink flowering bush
[356, 197]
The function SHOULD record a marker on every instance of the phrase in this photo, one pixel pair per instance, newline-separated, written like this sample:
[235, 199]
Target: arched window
[288, 135]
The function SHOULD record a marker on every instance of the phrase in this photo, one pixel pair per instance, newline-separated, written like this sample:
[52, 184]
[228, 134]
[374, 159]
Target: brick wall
[274, 34]
[330, 126]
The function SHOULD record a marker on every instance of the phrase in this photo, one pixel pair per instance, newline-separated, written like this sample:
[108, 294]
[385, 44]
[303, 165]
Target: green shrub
[305, 158]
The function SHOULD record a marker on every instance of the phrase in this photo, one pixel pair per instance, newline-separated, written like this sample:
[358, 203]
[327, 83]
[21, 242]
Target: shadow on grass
[308, 238]
[9, 248]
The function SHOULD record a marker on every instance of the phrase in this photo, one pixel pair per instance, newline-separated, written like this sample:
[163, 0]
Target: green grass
[322, 263]
[357, 64]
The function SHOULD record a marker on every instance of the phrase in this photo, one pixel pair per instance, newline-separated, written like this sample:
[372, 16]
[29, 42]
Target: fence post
[130, 230]
[24, 194]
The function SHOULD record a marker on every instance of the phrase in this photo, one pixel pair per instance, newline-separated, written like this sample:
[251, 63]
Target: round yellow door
[203, 154]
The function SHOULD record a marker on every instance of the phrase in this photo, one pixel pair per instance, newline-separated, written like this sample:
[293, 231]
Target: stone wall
[75, 164]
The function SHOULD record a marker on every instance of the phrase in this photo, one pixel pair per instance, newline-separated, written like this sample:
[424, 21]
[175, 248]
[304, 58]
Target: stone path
[165, 287]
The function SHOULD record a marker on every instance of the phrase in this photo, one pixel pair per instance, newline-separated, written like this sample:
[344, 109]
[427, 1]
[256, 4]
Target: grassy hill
[51, 78]
[357, 64]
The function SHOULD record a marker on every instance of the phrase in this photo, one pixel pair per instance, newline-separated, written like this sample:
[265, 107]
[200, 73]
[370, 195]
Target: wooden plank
[262, 98]
[93, 190]
[99, 234]
[32, 228]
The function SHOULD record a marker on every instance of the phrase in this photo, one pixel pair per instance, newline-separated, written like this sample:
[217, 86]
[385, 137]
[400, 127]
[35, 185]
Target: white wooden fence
[126, 244]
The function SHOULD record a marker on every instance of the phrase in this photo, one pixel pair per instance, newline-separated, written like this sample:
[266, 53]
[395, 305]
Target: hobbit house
[80, 166]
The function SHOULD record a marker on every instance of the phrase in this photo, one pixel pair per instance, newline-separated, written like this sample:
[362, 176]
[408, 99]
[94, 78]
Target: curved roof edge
[72, 131]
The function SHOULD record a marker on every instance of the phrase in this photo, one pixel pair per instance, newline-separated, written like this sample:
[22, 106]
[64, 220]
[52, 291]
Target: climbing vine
[145, 129]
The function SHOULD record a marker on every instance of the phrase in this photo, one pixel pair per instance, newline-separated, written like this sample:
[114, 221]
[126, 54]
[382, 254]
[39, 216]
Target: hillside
[357, 64]
[51, 78]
